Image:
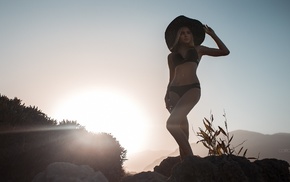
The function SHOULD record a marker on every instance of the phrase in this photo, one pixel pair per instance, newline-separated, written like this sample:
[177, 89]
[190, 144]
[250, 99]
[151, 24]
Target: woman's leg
[174, 97]
[177, 116]
[185, 129]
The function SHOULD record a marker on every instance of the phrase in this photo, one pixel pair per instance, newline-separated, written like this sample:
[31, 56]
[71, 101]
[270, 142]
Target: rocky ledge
[225, 168]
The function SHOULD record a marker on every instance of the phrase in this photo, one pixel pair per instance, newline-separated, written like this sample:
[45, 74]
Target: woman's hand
[208, 30]
[222, 48]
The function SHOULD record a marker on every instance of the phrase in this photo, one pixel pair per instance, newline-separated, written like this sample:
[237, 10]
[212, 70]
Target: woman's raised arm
[222, 49]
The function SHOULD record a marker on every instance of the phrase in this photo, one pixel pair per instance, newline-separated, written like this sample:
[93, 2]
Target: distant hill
[138, 161]
[258, 145]
[265, 146]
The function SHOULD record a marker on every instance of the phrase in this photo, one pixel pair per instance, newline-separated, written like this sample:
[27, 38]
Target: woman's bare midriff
[185, 74]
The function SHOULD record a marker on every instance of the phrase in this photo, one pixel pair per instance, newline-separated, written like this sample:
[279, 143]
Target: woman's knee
[172, 124]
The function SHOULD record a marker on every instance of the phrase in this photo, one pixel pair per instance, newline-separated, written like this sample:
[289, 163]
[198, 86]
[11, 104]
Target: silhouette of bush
[26, 152]
[14, 114]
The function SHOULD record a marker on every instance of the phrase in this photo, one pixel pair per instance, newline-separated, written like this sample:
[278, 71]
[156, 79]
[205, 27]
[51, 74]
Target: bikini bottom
[181, 90]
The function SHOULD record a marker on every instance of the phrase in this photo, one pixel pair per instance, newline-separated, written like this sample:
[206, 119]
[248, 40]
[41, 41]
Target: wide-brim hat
[195, 26]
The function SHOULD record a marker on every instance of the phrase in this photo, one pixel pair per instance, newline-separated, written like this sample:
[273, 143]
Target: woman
[183, 38]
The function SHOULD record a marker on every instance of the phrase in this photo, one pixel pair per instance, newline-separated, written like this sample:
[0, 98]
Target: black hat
[195, 26]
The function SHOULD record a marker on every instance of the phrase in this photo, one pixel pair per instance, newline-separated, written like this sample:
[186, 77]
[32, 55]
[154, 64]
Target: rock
[225, 168]
[193, 169]
[276, 170]
[145, 177]
[166, 165]
[64, 171]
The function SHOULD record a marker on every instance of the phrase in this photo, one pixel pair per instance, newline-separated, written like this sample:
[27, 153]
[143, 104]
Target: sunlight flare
[109, 112]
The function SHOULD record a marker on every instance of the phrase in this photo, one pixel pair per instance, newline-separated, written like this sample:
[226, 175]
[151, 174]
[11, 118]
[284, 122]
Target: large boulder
[64, 171]
[166, 165]
[227, 168]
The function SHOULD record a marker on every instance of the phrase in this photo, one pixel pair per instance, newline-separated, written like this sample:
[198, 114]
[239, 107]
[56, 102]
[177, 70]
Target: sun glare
[109, 112]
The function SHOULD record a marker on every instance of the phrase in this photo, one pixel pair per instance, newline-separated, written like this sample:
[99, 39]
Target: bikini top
[190, 56]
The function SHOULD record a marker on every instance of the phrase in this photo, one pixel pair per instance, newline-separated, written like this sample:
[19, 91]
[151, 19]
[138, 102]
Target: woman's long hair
[176, 45]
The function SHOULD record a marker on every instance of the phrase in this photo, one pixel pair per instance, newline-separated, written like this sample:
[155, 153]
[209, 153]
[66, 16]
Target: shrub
[30, 141]
[218, 141]
[14, 114]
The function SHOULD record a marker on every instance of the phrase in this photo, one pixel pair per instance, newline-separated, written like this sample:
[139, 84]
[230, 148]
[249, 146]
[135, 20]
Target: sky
[104, 64]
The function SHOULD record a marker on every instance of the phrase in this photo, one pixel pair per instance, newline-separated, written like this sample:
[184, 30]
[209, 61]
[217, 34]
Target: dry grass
[218, 141]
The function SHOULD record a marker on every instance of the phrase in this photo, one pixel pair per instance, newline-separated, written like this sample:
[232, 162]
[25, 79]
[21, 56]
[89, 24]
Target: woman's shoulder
[200, 49]
[170, 55]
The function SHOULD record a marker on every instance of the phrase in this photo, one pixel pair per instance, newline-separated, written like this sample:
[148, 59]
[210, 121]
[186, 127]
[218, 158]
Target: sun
[106, 111]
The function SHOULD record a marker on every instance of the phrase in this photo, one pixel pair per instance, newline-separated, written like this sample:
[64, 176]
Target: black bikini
[181, 90]
[190, 56]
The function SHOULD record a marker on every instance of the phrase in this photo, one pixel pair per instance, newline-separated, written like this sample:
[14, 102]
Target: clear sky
[103, 63]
